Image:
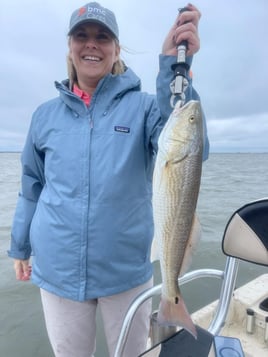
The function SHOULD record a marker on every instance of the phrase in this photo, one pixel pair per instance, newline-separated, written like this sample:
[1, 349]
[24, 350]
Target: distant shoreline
[10, 152]
[212, 152]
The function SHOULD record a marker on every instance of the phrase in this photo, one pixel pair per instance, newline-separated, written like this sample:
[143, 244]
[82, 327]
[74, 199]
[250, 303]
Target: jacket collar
[110, 87]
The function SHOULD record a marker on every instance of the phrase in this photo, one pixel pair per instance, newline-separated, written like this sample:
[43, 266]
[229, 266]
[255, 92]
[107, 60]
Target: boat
[247, 317]
[234, 325]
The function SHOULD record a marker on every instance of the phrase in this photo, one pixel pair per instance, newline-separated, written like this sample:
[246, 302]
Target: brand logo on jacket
[122, 129]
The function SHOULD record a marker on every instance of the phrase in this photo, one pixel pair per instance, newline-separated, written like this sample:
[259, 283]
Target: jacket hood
[111, 87]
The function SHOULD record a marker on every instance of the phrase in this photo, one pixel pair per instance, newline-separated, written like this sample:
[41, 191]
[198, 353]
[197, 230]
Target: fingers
[187, 29]
[188, 32]
[184, 28]
[22, 269]
[192, 14]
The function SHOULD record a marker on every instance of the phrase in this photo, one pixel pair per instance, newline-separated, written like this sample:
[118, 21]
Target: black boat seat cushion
[246, 233]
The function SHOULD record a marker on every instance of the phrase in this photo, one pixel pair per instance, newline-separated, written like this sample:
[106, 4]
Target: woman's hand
[23, 269]
[185, 28]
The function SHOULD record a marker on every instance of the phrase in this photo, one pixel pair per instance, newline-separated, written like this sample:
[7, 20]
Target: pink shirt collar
[81, 94]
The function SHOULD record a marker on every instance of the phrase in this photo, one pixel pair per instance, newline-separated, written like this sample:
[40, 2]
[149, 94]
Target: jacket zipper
[91, 124]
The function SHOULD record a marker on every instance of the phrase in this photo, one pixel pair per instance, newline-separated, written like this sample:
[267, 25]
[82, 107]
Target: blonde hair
[118, 68]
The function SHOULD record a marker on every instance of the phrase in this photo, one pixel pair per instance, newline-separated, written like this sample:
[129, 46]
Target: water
[228, 182]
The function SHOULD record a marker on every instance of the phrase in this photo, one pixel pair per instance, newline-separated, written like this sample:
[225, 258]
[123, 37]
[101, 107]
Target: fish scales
[176, 183]
[176, 205]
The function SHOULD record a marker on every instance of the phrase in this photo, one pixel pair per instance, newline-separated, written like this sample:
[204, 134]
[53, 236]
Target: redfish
[176, 183]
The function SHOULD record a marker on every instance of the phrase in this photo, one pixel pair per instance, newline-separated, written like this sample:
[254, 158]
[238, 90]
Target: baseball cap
[94, 12]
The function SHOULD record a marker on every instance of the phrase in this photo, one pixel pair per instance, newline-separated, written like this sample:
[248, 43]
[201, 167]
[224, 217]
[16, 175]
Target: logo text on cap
[95, 10]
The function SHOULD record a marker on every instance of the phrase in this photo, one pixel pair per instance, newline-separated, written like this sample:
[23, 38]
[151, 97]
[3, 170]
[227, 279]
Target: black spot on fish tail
[176, 300]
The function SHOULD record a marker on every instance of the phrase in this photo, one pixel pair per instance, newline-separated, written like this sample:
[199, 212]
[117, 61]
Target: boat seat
[246, 233]
[245, 238]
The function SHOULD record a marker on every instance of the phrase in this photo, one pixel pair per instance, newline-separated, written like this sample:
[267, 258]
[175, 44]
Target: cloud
[230, 70]
[239, 134]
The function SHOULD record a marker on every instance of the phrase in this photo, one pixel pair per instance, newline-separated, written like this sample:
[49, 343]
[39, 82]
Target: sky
[230, 71]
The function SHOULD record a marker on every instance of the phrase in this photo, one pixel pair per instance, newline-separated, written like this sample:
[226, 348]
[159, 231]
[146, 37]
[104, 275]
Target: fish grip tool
[180, 68]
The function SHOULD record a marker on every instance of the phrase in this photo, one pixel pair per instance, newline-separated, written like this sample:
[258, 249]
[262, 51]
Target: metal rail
[156, 290]
[228, 286]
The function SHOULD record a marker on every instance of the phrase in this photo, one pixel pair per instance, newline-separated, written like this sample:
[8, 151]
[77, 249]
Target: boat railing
[222, 307]
[245, 238]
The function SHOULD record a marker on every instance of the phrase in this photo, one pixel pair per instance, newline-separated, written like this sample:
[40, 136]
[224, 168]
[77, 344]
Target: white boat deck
[246, 297]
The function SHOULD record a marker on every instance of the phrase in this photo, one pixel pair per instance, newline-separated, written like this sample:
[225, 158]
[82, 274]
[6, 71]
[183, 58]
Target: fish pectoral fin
[175, 314]
[175, 160]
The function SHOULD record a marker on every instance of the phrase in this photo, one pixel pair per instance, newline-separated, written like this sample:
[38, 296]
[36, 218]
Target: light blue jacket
[84, 211]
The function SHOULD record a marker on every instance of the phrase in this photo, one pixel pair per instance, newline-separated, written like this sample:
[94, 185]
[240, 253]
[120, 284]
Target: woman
[84, 212]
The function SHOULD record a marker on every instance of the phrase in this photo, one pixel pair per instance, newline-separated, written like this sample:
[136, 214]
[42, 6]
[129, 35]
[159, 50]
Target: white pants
[71, 325]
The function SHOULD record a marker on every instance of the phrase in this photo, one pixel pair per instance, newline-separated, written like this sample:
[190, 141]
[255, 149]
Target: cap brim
[86, 21]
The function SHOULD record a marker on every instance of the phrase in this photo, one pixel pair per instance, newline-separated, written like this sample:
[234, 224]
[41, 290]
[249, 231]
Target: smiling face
[93, 51]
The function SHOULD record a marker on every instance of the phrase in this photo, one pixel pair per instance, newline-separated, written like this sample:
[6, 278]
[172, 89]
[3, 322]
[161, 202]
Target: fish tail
[176, 314]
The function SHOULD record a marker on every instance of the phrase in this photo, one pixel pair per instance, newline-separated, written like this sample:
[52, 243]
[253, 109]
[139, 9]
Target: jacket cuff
[19, 254]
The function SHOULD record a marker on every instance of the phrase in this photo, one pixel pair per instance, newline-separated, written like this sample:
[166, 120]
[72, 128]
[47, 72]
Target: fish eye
[191, 119]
